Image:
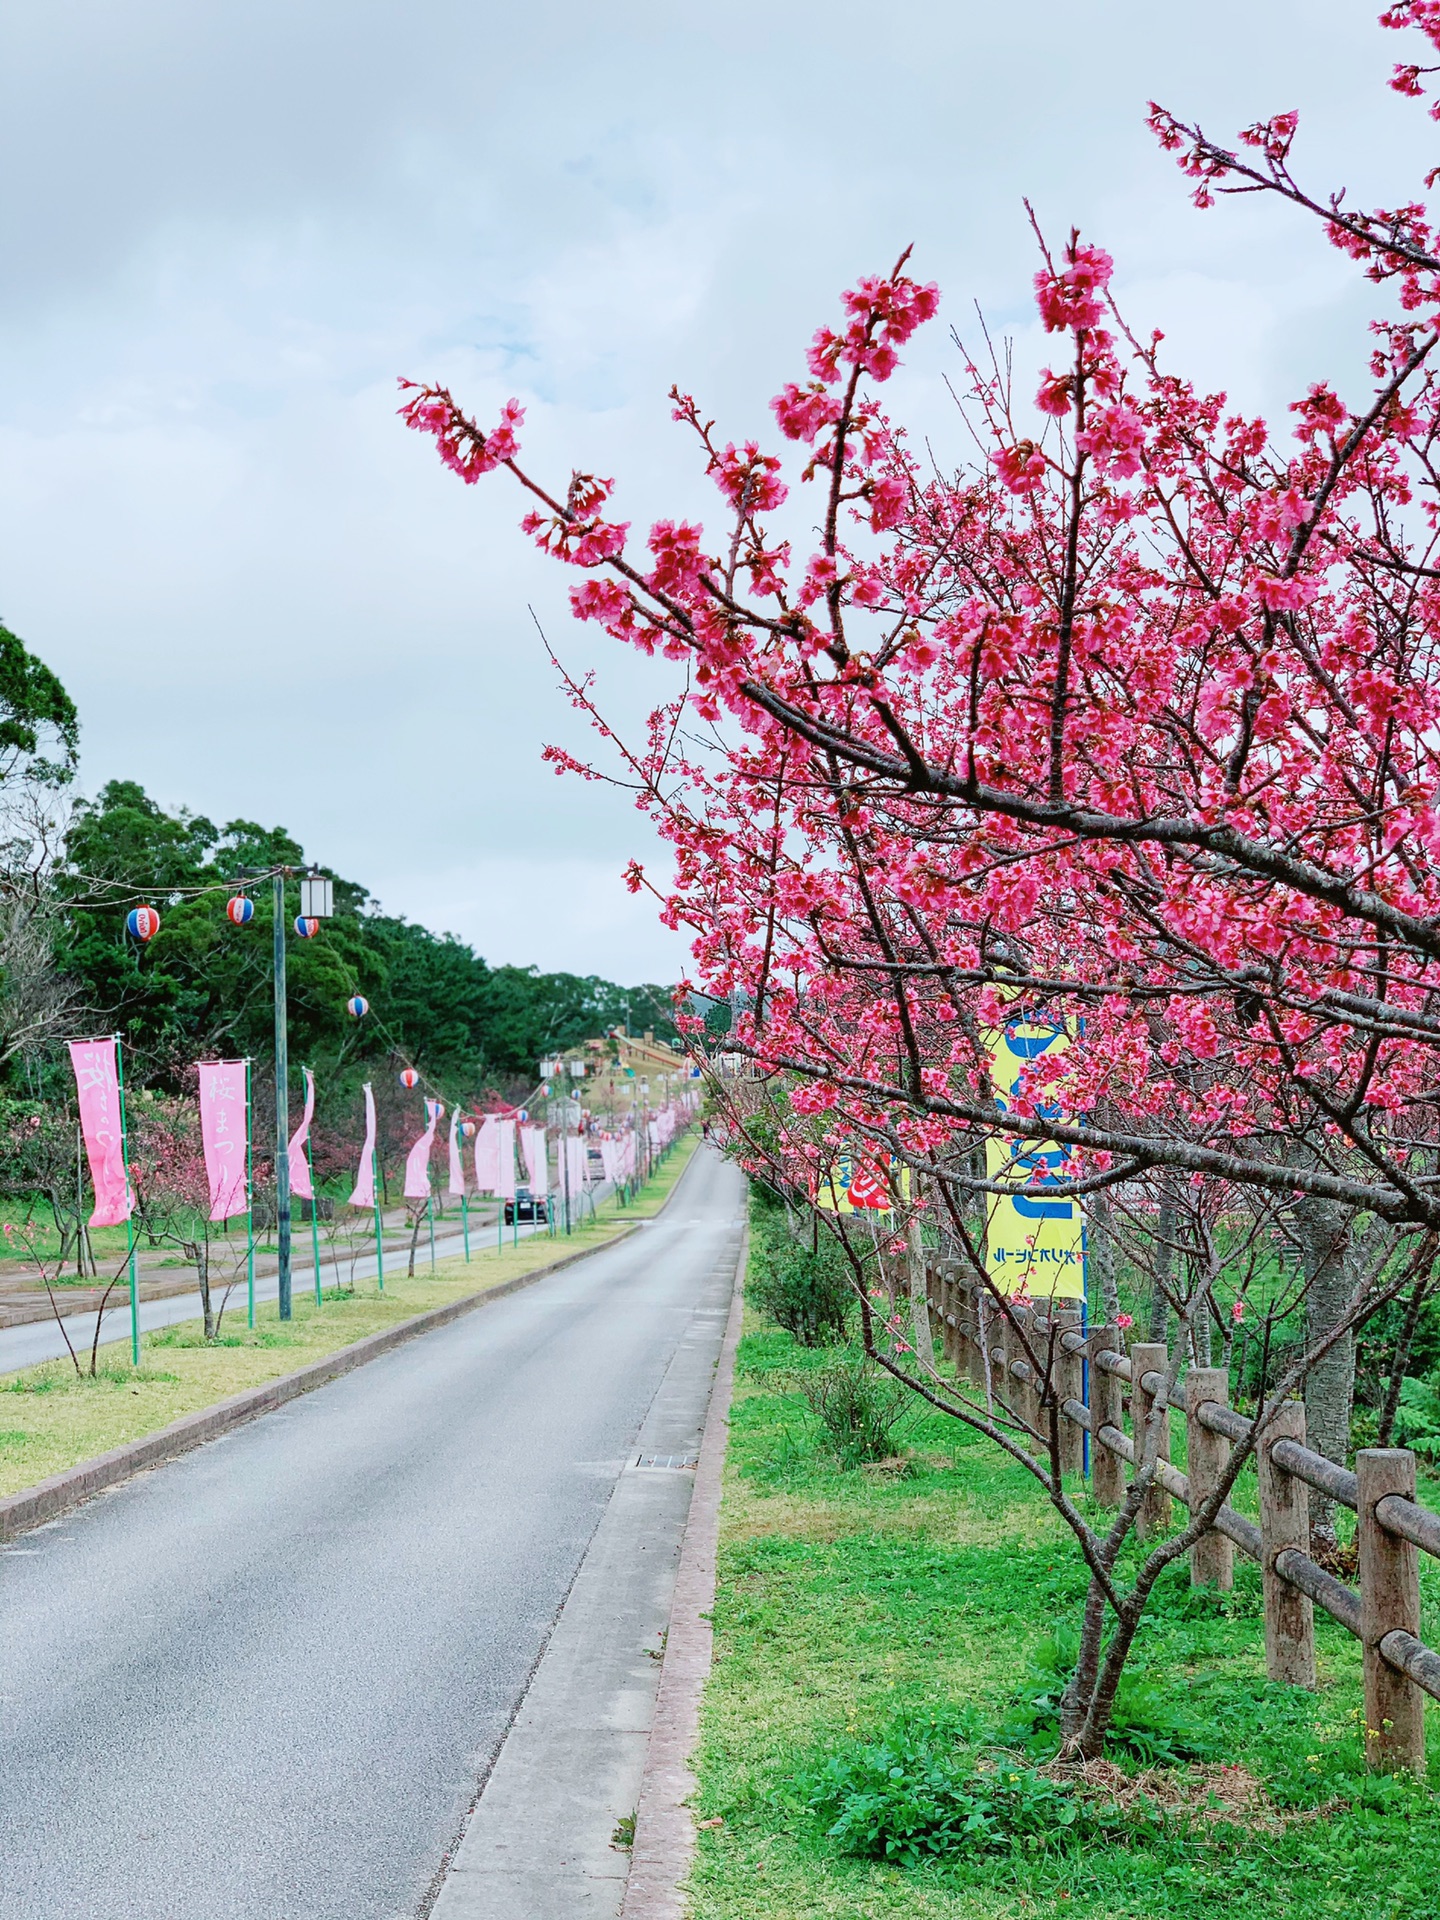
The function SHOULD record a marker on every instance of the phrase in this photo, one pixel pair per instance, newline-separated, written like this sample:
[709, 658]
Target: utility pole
[282, 1102]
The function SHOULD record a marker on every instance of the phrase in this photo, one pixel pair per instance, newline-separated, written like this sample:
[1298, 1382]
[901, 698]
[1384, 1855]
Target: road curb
[664, 1842]
[32, 1506]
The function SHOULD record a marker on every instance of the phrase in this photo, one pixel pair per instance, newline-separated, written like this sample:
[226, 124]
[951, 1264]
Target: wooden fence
[1035, 1363]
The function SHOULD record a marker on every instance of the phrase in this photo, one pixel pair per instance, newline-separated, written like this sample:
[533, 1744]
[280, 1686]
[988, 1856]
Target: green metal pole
[430, 1209]
[282, 1105]
[249, 1205]
[379, 1233]
[129, 1218]
[465, 1222]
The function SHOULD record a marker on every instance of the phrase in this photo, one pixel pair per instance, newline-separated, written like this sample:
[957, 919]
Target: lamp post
[316, 903]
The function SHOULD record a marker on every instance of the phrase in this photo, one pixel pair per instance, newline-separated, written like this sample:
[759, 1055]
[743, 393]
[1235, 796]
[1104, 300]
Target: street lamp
[316, 903]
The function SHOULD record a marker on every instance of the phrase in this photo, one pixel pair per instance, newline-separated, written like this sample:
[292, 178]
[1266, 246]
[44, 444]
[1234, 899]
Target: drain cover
[673, 1461]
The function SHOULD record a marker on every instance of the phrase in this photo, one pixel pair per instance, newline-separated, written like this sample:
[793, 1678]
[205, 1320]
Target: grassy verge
[50, 1419]
[853, 1604]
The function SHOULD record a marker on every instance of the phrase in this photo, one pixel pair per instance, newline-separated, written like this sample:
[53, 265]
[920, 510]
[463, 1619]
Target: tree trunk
[1323, 1230]
[199, 1253]
[919, 1305]
[1080, 1689]
[1101, 1254]
[415, 1241]
[1163, 1269]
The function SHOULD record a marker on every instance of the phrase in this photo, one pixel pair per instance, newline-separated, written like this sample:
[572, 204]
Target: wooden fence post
[1107, 1409]
[1069, 1385]
[1018, 1395]
[1029, 1401]
[982, 1336]
[957, 1304]
[1285, 1522]
[1154, 1517]
[1389, 1599]
[938, 1294]
[1212, 1558]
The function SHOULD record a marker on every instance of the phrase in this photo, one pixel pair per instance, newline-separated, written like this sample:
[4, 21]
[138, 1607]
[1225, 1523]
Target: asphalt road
[267, 1679]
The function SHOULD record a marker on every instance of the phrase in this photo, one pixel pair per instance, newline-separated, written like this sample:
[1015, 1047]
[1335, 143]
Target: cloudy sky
[226, 228]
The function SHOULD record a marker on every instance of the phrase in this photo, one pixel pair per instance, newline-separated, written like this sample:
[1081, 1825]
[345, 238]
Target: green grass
[848, 1602]
[50, 1419]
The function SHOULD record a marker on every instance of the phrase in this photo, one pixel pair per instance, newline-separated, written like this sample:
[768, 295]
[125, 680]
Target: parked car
[527, 1206]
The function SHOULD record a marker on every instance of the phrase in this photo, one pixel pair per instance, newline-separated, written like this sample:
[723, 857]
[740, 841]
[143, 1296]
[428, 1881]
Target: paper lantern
[467, 1129]
[409, 1077]
[240, 911]
[357, 1007]
[306, 927]
[142, 923]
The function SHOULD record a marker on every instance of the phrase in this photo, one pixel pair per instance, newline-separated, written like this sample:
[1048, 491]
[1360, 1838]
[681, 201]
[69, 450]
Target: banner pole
[282, 1103]
[379, 1232]
[465, 1222]
[249, 1204]
[430, 1210]
[129, 1209]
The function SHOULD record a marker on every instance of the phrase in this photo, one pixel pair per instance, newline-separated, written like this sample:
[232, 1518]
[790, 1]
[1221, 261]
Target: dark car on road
[526, 1206]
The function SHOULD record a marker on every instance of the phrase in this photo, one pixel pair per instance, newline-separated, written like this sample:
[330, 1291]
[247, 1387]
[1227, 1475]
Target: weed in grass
[859, 1408]
[913, 1792]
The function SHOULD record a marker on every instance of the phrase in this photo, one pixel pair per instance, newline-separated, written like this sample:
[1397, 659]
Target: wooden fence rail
[1084, 1376]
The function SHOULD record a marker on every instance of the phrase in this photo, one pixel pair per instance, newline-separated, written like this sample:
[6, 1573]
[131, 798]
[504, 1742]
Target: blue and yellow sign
[1034, 1242]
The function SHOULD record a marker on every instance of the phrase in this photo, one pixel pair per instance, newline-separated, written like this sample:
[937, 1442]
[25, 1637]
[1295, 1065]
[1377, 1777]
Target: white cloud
[227, 229]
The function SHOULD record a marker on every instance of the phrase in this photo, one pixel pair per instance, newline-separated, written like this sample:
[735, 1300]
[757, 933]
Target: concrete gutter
[664, 1843]
[34, 1505]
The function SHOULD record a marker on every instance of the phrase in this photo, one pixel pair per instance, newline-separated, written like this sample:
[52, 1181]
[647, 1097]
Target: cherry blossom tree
[1130, 722]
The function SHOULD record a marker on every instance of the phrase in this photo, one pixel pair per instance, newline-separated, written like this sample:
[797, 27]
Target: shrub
[806, 1290]
[912, 1793]
[859, 1408]
[1417, 1419]
[1144, 1725]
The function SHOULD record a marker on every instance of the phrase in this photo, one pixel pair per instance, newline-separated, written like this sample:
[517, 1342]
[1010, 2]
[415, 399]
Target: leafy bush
[860, 1408]
[806, 1290]
[1417, 1419]
[912, 1794]
[1144, 1725]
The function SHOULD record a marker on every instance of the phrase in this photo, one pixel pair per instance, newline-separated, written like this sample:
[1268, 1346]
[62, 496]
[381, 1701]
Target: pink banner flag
[505, 1166]
[223, 1135]
[300, 1187]
[456, 1183]
[487, 1156]
[417, 1161]
[364, 1194]
[532, 1141]
[97, 1082]
[610, 1160]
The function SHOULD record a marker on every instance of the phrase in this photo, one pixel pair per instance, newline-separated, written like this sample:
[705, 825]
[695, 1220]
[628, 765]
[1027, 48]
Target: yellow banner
[858, 1183]
[1035, 1244]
